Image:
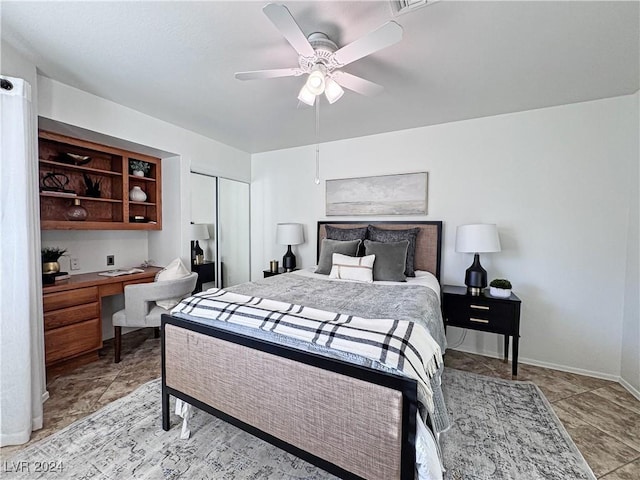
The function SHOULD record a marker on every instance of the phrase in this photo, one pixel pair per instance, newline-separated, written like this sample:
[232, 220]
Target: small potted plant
[50, 256]
[500, 288]
[139, 168]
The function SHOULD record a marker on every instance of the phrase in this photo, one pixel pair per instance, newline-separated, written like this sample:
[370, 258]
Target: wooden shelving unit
[112, 210]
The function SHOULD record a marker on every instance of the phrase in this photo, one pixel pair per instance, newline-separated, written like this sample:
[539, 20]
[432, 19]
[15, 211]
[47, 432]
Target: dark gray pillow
[329, 247]
[390, 259]
[343, 234]
[387, 236]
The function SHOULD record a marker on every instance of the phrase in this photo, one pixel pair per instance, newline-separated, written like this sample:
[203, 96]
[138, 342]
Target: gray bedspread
[401, 302]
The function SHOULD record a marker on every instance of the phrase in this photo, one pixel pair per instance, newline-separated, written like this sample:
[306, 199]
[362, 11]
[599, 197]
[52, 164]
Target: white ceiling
[458, 60]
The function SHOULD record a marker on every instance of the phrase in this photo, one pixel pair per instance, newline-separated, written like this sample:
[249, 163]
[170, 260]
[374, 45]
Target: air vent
[399, 7]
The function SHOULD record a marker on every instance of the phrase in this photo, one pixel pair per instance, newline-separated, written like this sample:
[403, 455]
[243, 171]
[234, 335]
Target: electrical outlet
[111, 260]
[75, 263]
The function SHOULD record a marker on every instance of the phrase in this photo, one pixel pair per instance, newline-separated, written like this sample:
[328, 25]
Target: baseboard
[552, 366]
[45, 396]
[633, 391]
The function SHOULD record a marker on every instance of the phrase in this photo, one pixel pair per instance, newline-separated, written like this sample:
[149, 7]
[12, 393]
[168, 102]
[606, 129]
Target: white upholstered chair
[141, 309]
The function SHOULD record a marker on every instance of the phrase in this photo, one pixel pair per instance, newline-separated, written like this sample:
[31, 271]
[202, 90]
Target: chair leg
[117, 342]
[156, 332]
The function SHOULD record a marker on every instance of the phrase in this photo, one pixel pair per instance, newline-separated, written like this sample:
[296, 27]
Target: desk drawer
[492, 317]
[71, 315]
[79, 296]
[71, 340]
[110, 289]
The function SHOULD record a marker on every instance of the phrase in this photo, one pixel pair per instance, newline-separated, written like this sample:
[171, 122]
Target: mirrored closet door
[223, 206]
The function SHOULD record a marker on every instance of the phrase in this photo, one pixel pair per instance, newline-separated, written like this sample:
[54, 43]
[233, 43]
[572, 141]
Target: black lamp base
[289, 261]
[475, 277]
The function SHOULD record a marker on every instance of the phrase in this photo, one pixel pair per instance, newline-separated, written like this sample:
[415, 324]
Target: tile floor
[602, 417]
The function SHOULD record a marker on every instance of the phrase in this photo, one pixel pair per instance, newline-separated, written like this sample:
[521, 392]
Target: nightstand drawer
[492, 317]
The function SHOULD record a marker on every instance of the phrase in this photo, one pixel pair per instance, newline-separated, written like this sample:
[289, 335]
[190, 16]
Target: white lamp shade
[333, 91]
[199, 231]
[477, 238]
[305, 96]
[315, 82]
[289, 234]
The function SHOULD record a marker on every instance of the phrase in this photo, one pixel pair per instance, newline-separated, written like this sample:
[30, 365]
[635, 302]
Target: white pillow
[359, 269]
[174, 271]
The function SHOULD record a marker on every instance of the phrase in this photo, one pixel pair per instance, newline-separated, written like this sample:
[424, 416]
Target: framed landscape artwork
[403, 194]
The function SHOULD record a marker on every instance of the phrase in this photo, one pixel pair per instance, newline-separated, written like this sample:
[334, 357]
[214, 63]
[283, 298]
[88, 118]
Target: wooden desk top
[93, 279]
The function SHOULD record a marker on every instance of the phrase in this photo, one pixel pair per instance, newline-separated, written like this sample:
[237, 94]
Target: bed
[346, 413]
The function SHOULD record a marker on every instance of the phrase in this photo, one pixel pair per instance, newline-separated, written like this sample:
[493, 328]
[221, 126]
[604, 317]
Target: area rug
[502, 430]
[505, 430]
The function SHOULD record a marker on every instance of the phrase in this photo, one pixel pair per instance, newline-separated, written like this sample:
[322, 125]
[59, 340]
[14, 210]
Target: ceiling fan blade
[284, 21]
[386, 35]
[357, 84]
[261, 74]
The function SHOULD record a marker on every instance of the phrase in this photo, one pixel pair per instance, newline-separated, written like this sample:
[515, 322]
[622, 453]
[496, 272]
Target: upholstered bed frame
[350, 420]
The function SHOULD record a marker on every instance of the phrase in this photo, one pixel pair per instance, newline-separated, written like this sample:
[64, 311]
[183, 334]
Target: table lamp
[289, 234]
[477, 238]
[199, 231]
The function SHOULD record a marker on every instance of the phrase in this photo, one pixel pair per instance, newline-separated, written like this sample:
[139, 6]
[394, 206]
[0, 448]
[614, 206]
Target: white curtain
[22, 374]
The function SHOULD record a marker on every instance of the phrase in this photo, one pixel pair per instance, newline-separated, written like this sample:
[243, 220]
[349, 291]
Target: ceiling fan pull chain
[317, 179]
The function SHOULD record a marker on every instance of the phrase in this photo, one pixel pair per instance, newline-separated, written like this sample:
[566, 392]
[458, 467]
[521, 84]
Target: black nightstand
[484, 313]
[269, 273]
[206, 273]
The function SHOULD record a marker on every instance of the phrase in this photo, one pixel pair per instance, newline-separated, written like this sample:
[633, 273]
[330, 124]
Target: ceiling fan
[322, 60]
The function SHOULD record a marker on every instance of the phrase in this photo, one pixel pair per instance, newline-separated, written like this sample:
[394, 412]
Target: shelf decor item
[137, 194]
[139, 168]
[76, 212]
[500, 288]
[50, 256]
[477, 238]
[55, 182]
[93, 188]
[74, 159]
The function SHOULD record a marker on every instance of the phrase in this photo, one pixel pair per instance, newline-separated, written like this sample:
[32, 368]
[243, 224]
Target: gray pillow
[390, 259]
[343, 234]
[329, 247]
[387, 236]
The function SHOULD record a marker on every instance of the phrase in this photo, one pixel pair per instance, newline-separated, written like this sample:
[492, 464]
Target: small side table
[269, 273]
[484, 313]
[206, 273]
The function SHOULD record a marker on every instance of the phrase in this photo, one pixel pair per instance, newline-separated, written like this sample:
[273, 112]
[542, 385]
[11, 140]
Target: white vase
[138, 173]
[137, 195]
[499, 292]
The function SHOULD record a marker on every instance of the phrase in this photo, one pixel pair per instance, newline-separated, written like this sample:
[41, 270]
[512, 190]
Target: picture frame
[399, 194]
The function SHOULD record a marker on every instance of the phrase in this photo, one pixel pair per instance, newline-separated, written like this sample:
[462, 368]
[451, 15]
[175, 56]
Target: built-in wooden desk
[72, 316]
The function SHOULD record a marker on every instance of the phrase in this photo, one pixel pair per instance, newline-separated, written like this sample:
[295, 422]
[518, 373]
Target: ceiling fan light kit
[307, 97]
[315, 81]
[332, 90]
[321, 59]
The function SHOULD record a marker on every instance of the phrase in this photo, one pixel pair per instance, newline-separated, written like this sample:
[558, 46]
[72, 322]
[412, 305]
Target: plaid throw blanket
[403, 345]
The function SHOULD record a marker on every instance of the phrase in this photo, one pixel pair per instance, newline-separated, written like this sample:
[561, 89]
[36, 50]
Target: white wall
[555, 180]
[630, 359]
[15, 64]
